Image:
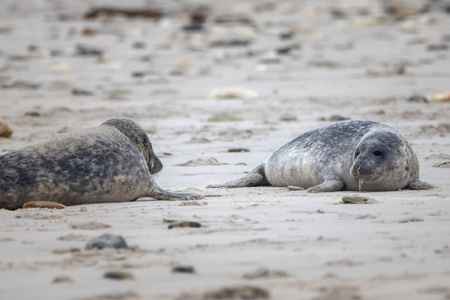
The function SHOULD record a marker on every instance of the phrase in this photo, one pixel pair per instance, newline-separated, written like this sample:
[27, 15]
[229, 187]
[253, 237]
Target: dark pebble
[192, 27]
[241, 292]
[56, 53]
[418, 98]
[118, 275]
[231, 43]
[81, 92]
[437, 47]
[32, 48]
[286, 35]
[183, 269]
[32, 113]
[145, 13]
[238, 150]
[138, 74]
[139, 45]
[180, 224]
[107, 241]
[84, 50]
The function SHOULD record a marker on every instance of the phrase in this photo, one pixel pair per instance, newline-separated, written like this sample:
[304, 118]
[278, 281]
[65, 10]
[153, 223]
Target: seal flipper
[332, 185]
[257, 177]
[158, 193]
[416, 184]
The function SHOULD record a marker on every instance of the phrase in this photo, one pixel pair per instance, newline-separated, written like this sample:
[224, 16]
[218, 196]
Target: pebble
[357, 199]
[193, 27]
[288, 118]
[81, 92]
[43, 204]
[21, 85]
[295, 188]
[437, 47]
[238, 150]
[62, 279]
[442, 97]
[60, 68]
[418, 98]
[183, 269]
[181, 224]
[107, 241]
[32, 113]
[232, 93]
[270, 57]
[5, 130]
[102, 12]
[84, 50]
[239, 292]
[139, 45]
[231, 43]
[118, 275]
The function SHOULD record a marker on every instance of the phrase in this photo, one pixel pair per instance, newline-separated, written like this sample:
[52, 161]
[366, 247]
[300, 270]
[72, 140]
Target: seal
[113, 162]
[348, 155]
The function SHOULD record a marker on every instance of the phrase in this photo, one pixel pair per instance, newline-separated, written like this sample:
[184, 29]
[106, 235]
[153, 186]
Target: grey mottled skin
[110, 163]
[350, 155]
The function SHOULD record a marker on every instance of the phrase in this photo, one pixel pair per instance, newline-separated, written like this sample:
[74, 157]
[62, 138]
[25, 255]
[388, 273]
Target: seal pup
[113, 162]
[348, 155]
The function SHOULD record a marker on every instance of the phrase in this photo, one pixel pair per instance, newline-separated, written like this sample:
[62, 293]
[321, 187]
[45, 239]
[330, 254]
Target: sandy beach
[204, 77]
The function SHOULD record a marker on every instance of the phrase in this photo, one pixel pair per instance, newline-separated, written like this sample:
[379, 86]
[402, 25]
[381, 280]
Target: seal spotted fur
[110, 163]
[348, 155]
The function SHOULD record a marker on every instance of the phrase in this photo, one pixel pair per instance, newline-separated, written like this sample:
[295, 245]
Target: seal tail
[257, 177]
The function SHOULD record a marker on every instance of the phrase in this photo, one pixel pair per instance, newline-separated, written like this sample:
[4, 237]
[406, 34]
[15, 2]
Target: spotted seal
[348, 155]
[113, 162]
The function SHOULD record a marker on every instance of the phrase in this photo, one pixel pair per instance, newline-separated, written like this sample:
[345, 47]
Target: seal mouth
[362, 178]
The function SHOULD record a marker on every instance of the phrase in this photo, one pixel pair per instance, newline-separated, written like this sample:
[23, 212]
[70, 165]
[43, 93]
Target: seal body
[348, 155]
[110, 163]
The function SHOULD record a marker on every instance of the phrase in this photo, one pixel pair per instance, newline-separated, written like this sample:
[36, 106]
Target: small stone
[270, 57]
[62, 279]
[32, 113]
[238, 150]
[181, 224]
[5, 130]
[295, 188]
[239, 292]
[81, 92]
[357, 199]
[442, 97]
[107, 241]
[417, 98]
[139, 45]
[84, 50]
[232, 93]
[288, 118]
[59, 68]
[183, 269]
[193, 27]
[89, 31]
[118, 275]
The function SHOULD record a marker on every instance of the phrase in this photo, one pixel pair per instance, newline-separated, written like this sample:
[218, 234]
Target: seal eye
[377, 153]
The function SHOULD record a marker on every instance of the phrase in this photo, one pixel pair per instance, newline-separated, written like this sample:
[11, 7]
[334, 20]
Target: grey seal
[348, 155]
[113, 162]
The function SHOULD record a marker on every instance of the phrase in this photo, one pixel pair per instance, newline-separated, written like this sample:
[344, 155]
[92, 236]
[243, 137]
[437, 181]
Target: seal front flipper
[333, 185]
[416, 184]
[158, 193]
[256, 177]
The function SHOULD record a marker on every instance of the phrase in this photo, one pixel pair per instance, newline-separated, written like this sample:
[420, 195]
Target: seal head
[140, 139]
[383, 160]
